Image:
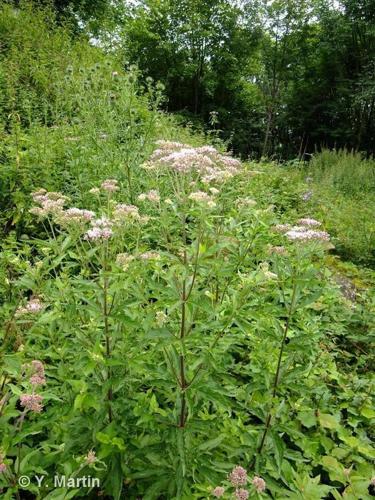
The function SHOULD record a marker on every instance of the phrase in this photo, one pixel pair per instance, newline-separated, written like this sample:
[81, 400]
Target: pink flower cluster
[218, 492]
[259, 484]
[152, 196]
[183, 158]
[122, 211]
[202, 198]
[75, 215]
[149, 256]
[238, 478]
[309, 222]
[3, 466]
[101, 230]
[51, 203]
[303, 231]
[32, 402]
[34, 306]
[90, 457]
[300, 233]
[123, 260]
[38, 375]
[110, 185]
[241, 494]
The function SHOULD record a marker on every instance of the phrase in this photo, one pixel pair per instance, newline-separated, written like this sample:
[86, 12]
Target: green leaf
[368, 412]
[211, 443]
[307, 418]
[279, 448]
[328, 421]
[103, 438]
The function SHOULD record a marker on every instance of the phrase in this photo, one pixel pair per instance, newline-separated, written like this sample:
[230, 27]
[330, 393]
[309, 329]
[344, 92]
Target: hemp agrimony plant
[151, 312]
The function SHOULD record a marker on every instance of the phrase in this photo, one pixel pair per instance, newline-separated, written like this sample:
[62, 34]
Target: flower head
[152, 196]
[149, 256]
[97, 233]
[278, 250]
[37, 366]
[32, 402]
[259, 484]
[100, 231]
[281, 228]
[110, 185]
[161, 318]
[3, 467]
[90, 457]
[238, 476]
[124, 259]
[77, 213]
[37, 373]
[203, 198]
[309, 222]
[51, 203]
[183, 158]
[218, 491]
[299, 233]
[75, 216]
[34, 306]
[123, 211]
[37, 380]
[307, 196]
[241, 494]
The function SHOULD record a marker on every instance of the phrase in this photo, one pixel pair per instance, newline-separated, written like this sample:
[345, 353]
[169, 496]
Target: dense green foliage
[284, 77]
[343, 196]
[158, 326]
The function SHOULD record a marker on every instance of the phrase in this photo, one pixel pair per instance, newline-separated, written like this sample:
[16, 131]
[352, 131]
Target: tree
[200, 50]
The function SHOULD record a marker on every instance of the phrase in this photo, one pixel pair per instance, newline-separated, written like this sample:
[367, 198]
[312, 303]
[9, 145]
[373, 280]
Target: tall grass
[342, 185]
[345, 171]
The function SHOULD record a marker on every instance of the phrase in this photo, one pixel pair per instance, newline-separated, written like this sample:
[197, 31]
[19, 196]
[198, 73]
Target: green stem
[106, 313]
[278, 368]
[182, 417]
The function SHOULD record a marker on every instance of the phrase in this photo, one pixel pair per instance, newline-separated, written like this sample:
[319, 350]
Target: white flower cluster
[206, 160]
[110, 185]
[51, 203]
[101, 230]
[152, 196]
[298, 233]
[303, 231]
[33, 306]
[202, 198]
